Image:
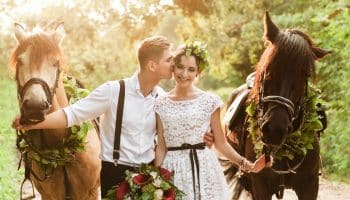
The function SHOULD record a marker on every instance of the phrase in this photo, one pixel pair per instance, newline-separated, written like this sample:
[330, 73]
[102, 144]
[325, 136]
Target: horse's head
[281, 80]
[37, 61]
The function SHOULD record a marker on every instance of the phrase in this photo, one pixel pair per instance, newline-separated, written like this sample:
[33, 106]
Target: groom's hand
[208, 139]
[18, 126]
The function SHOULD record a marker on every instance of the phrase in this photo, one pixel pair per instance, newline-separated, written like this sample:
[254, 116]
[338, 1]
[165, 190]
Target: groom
[138, 127]
[138, 124]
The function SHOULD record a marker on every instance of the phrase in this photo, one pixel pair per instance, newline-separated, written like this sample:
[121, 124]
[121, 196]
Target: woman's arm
[222, 146]
[161, 148]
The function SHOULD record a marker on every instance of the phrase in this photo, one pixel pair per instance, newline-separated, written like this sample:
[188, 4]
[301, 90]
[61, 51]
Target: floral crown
[200, 50]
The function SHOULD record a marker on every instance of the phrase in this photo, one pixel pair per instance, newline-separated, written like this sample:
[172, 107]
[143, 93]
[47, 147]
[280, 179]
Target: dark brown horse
[279, 89]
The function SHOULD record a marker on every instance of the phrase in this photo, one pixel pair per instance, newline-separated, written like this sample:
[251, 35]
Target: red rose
[169, 194]
[166, 174]
[122, 189]
[140, 179]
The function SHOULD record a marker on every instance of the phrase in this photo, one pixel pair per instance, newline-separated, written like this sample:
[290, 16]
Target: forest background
[102, 38]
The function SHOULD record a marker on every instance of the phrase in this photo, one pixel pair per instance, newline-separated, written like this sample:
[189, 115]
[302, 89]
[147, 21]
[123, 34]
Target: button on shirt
[138, 126]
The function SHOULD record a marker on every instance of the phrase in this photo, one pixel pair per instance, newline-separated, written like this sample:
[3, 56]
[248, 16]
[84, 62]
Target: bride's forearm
[223, 147]
[160, 155]
[227, 151]
[161, 148]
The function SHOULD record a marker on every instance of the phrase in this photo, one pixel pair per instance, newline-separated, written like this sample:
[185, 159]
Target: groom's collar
[136, 84]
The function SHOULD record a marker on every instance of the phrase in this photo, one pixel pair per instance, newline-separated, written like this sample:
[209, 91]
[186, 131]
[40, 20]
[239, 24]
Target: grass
[10, 178]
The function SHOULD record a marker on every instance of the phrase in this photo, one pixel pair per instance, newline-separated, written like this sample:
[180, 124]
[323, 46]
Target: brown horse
[279, 89]
[37, 60]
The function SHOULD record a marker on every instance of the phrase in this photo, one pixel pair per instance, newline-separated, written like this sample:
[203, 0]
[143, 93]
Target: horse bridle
[49, 92]
[294, 114]
[279, 101]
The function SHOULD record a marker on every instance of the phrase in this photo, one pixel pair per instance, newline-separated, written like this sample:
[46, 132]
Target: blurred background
[102, 38]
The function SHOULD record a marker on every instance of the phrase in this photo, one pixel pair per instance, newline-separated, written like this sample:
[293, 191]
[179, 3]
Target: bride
[182, 116]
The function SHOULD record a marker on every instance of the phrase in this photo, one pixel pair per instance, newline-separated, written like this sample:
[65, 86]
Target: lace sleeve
[214, 102]
[158, 105]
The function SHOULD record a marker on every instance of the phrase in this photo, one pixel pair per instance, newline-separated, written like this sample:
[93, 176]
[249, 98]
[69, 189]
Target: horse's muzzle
[31, 118]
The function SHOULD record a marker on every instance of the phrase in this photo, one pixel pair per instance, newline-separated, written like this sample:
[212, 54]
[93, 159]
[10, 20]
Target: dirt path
[328, 191]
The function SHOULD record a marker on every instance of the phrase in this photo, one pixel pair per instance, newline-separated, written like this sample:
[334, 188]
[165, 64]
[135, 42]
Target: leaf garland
[300, 141]
[63, 152]
[199, 49]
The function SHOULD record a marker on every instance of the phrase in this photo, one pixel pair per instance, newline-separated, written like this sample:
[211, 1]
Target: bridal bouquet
[149, 183]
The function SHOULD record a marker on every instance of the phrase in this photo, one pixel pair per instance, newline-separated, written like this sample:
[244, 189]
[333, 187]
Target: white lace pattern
[186, 122]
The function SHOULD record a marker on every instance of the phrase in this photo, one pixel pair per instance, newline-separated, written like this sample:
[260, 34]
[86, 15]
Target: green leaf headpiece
[200, 50]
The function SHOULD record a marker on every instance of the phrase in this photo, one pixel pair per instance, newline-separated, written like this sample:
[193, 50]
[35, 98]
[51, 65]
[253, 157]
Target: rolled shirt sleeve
[90, 107]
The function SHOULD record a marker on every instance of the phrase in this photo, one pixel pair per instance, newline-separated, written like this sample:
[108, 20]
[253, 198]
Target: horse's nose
[35, 106]
[272, 134]
[266, 128]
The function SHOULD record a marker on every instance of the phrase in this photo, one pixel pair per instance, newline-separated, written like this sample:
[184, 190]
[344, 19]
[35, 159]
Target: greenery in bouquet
[149, 183]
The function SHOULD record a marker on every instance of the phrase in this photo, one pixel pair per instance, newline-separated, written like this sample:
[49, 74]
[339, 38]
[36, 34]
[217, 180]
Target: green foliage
[198, 49]
[63, 152]
[300, 141]
[332, 28]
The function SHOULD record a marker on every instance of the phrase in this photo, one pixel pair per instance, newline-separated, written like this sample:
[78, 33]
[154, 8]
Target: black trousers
[112, 175]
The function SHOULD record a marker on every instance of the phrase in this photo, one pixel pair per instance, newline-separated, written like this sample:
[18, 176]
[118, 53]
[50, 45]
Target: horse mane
[41, 44]
[291, 52]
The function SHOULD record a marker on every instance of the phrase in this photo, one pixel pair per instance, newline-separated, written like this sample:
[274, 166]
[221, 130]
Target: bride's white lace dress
[185, 122]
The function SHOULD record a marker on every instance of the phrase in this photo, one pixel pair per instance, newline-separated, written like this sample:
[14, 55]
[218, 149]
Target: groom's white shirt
[139, 123]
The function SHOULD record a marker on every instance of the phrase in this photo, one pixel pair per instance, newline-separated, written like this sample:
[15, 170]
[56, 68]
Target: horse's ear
[20, 33]
[59, 33]
[320, 53]
[270, 29]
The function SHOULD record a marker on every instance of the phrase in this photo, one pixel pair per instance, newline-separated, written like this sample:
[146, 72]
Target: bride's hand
[260, 164]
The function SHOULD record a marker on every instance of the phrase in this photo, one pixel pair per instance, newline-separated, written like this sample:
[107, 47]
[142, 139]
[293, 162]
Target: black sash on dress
[194, 161]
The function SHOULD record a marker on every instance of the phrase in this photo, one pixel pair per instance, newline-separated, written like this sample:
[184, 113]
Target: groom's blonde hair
[152, 48]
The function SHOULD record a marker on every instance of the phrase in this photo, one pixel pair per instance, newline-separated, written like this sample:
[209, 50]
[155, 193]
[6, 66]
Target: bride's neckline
[185, 100]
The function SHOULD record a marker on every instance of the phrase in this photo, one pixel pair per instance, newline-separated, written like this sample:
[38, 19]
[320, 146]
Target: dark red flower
[166, 174]
[122, 190]
[140, 179]
[169, 194]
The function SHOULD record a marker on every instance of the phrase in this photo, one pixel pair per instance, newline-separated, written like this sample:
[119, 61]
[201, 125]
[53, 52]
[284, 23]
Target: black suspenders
[118, 121]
